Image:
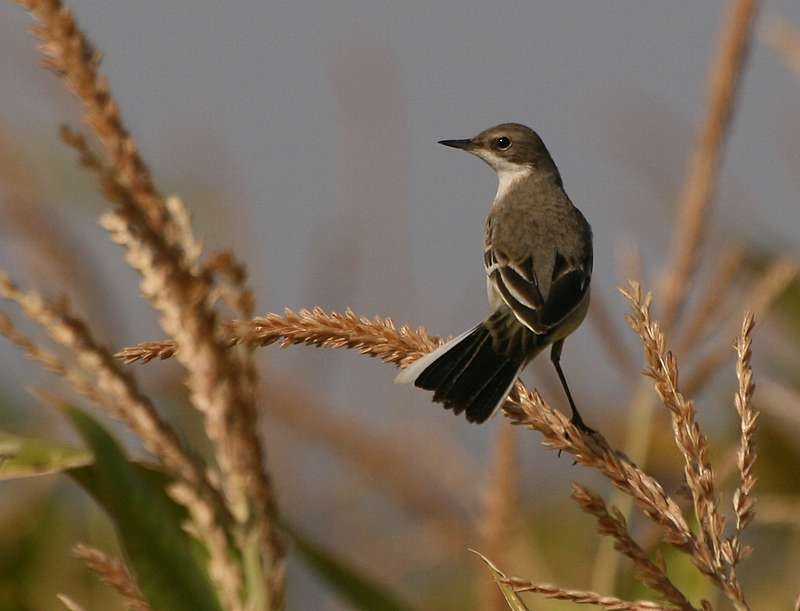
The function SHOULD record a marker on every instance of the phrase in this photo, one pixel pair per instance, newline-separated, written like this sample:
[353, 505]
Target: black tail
[470, 376]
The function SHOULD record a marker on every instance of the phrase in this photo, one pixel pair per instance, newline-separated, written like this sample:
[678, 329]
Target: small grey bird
[538, 261]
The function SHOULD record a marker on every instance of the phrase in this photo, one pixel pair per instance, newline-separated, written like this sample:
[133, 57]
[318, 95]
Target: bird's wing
[519, 287]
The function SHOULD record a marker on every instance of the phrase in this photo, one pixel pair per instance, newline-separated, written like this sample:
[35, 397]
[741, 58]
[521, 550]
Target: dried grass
[698, 190]
[583, 597]
[380, 338]
[220, 386]
[496, 523]
[613, 524]
[690, 228]
[114, 573]
[743, 499]
[97, 376]
[69, 54]
[62, 257]
[714, 555]
[663, 368]
[710, 555]
[376, 337]
[580, 597]
[159, 247]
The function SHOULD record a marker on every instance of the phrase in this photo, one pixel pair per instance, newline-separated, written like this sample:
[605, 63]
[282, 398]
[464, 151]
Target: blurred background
[303, 135]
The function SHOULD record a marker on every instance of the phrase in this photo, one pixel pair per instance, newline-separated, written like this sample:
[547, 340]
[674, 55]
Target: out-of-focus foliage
[169, 567]
[27, 457]
[359, 591]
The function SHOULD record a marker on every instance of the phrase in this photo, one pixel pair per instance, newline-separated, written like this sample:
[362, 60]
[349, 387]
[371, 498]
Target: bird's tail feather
[467, 374]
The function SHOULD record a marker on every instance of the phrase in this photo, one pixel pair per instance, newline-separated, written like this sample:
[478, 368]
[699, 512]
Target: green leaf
[28, 457]
[512, 598]
[351, 585]
[168, 565]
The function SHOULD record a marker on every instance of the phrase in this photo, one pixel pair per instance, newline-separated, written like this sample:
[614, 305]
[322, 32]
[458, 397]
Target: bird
[538, 264]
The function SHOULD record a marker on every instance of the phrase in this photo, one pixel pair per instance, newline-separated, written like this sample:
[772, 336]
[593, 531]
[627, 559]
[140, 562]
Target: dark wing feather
[529, 316]
[518, 286]
[566, 292]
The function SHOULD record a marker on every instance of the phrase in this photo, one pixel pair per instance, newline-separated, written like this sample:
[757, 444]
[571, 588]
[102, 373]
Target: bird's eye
[502, 143]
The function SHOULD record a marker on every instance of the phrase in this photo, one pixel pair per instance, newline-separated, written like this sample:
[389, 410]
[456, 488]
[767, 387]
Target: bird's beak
[464, 145]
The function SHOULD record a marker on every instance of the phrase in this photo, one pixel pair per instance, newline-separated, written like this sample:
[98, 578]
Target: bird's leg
[555, 356]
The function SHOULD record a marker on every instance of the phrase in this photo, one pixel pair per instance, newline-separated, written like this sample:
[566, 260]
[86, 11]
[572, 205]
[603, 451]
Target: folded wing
[519, 286]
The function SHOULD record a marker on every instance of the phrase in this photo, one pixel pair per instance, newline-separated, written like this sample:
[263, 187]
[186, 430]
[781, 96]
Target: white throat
[508, 177]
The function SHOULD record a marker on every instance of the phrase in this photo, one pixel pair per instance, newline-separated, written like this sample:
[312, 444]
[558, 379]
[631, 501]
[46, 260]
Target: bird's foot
[579, 424]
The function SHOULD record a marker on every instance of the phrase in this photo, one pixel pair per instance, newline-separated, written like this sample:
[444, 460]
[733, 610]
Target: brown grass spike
[743, 499]
[612, 523]
[142, 223]
[112, 572]
[98, 378]
[378, 337]
[663, 368]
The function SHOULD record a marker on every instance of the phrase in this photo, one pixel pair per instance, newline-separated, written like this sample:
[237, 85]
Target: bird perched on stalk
[538, 262]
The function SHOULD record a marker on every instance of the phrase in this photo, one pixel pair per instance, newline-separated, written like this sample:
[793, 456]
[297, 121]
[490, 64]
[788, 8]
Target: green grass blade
[168, 565]
[350, 584]
[28, 457]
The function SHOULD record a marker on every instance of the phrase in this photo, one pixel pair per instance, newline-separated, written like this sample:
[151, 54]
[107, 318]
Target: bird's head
[507, 148]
